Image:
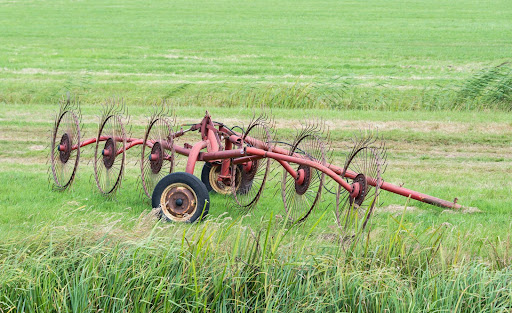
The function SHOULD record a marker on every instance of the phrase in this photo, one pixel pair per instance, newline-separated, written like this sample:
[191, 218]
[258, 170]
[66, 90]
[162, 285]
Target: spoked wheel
[109, 154]
[65, 149]
[353, 209]
[253, 174]
[301, 195]
[181, 197]
[210, 178]
[157, 159]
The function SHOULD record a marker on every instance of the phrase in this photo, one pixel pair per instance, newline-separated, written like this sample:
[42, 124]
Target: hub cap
[178, 201]
[302, 188]
[363, 190]
[109, 153]
[219, 186]
[156, 163]
[65, 153]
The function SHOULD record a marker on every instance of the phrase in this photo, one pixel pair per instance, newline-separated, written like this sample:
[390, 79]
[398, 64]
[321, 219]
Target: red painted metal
[132, 144]
[229, 147]
[194, 155]
[292, 159]
[288, 168]
[222, 155]
[355, 190]
[300, 176]
[420, 196]
[181, 150]
[224, 169]
[248, 166]
[384, 186]
[247, 159]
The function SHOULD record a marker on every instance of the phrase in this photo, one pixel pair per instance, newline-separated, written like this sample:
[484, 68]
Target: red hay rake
[236, 162]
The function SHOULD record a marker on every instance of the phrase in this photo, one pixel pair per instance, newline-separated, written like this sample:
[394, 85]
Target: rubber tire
[205, 176]
[203, 198]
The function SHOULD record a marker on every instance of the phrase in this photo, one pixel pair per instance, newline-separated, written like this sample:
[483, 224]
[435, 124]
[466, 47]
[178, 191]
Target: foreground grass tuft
[223, 265]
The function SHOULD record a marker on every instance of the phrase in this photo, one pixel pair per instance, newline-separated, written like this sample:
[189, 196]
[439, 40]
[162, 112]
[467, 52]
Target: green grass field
[372, 54]
[423, 73]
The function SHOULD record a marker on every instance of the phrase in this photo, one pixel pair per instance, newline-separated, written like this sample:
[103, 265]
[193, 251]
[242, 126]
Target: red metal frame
[233, 151]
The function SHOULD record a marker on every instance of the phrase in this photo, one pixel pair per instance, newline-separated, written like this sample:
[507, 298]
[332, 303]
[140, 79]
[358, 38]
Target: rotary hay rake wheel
[108, 161]
[157, 158]
[302, 195]
[364, 166]
[253, 174]
[65, 147]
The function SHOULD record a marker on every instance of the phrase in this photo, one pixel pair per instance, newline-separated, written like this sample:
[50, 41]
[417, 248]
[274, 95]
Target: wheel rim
[218, 186]
[178, 202]
[252, 182]
[109, 153]
[157, 158]
[353, 213]
[301, 198]
[108, 161]
[64, 148]
[64, 159]
[156, 162]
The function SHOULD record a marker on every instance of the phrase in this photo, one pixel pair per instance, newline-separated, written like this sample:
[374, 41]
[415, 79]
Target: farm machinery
[236, 162]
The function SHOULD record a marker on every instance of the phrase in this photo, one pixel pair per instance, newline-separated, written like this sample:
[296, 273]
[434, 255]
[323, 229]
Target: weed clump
[491, 88]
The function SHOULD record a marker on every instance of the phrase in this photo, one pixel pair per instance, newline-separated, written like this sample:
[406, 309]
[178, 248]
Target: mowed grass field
[413, 70]
[380, 54]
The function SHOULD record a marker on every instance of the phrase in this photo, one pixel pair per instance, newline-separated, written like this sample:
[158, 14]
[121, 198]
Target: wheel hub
[222, 186]
[301, 189]
[156, 159]
[363, 190]
[250, 171]
[64, 148]
[178, 200]
[109, 153]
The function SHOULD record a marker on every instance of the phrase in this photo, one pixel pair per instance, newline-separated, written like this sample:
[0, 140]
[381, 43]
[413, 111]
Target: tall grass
[488, 89]
[344, 95]
[491, 88]
[223, 265]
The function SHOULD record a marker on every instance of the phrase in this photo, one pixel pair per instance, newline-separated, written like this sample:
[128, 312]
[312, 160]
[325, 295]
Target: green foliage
[223, 265]
[489, 88]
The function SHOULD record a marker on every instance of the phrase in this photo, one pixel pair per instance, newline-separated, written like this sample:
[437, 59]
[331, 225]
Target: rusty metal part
[304, 180]
[222, 186]
[253, 173]
[156, 158]
[157, 153]
[110, 153]
[354, 208]
[301, 192]
[64, 148]
[332, 171]
[63, 158]
[362, 190]
[178, 201]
